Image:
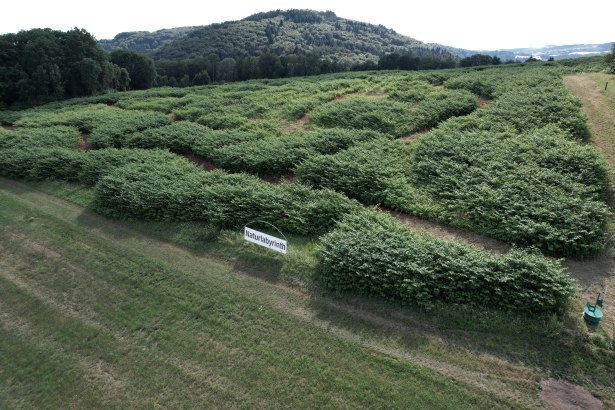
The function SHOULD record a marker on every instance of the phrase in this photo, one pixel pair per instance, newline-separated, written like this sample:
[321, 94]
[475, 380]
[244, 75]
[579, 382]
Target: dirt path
[85, 143]
[595, 274]
[561, 395]
[451, 233]
[200, 161]
[9, 127]
[599, 109]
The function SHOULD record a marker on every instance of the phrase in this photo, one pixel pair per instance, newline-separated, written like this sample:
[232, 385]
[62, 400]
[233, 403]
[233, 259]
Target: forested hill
[144, 41]
[292, 32]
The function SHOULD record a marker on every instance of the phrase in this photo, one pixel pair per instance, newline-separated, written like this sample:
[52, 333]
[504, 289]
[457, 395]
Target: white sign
[262, 239]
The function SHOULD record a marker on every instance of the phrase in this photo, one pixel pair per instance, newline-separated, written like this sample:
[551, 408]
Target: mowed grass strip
[87, 322]
[599, 106]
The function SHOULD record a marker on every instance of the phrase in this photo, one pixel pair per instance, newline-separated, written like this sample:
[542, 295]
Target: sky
[469, 24]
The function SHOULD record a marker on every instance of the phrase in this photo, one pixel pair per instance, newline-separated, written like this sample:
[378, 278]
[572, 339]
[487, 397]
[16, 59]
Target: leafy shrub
[392, 117]
[54, 136]
[84, 118]
[222, 121]
[178, 137]
[373, 254]
[384, 116]
[277, 155]
[41, 163]
[102, 162]
[529, 108]
[440, 106]
[162, 104]
[71, 165]
[475, 84]
[176, 191]
[371, 172]
[8, 117]
[110, 132]
[540, 189]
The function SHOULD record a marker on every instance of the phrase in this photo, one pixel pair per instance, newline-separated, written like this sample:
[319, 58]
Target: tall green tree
[42, 65]
[140, 68]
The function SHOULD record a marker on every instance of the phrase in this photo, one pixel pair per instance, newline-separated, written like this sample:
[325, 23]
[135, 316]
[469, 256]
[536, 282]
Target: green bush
[178, 137]
[42, 163]
[541, 189]
[529, 108]
[277, 155]
[371, 253]
[385, 116]
[176, 191]
[71, 165]
[393, 117]
[440, 106]
[110, 132]
[54, 136]
[222, 121]
[371, 172]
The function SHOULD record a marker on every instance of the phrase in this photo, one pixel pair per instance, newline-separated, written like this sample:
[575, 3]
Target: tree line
[42, 65]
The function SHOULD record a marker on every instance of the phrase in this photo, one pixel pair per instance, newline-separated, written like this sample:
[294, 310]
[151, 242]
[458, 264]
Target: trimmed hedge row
[373, 254]
[107, 125]
[373, 172]
[529, 108]
[176, 191]
[110, 133]
[386, 116]
[277, 155]
[72, 165]
[54, 136]
[393, 117]
[541, 189]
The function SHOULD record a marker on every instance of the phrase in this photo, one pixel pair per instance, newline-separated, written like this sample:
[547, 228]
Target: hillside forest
[43, 65]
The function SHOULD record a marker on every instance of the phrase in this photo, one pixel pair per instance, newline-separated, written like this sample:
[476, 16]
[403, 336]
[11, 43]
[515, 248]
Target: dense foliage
[478, 60]
[294, 32]
[525, 179]
[277, 155]
[43, 65]
[374, 172]
[376, 255]
[393, 117]
[176, 191]
[539, 189]
[143, 41]
[140, 68]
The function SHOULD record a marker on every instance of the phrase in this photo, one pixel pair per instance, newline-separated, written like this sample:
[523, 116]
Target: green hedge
[72, 165]
[177, 191]
[393, 117]
[529, 108]
[385, 116]
[111, 132]
[540, 189]
[372, 172]
[371, 253]
[53, 136]
[277, 155]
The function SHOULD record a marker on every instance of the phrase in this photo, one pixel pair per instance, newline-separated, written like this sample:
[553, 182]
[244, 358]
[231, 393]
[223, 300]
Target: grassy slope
[98, 313]
[95, 314]
[599, 106]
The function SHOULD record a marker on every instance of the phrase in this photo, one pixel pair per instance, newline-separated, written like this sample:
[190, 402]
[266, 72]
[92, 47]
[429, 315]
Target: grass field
[97, 313]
